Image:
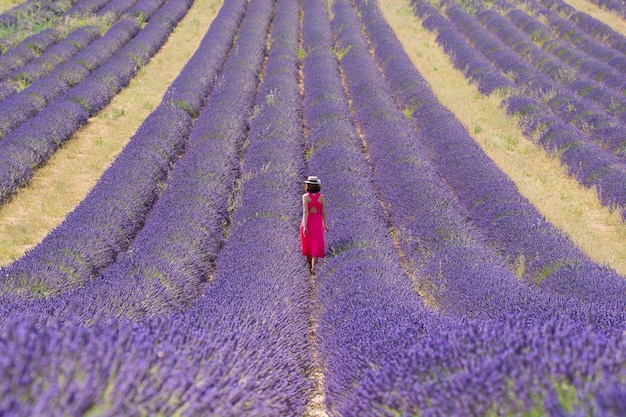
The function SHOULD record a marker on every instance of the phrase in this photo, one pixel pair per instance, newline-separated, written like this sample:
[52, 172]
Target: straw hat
[313, 180]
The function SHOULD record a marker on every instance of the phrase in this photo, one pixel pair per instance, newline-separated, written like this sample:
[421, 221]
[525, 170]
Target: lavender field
[177, 286]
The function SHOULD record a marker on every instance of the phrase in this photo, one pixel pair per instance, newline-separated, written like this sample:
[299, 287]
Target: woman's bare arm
[323, 203]
[305, 211]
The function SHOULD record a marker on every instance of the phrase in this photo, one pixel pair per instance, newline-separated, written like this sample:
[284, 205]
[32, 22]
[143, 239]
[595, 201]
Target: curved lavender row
[567, 30]
[86, 7]
[116, 8]
[27, 50]
[535, 249]
[372, 329]
[615, 6]
[240, 350]
[591, 66]
[454, 265]
[589, 25]
[599, 110]
[473, 65]
[590, 165]
[105, 222]
[492, 34]
[46, 62]
[171, 257]
[145, 9]
[34, 141]
[26, 104]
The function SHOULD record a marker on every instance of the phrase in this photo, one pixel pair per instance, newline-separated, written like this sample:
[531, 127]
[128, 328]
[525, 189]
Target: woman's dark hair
[312, 188]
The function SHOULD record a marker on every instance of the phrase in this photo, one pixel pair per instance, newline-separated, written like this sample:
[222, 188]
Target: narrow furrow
[316, 406]
[360, 286]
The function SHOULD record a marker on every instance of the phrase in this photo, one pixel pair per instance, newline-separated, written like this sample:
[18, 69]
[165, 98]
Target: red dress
[313, 242]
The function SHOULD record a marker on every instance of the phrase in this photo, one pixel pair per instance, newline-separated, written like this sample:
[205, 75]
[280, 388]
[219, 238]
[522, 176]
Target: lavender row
[600, 111]
[581, 62]
[587, 117]
[365, 299]
[116, 8]
[586, 162]
[535, 250]
[384, 353]
[107, 220]
[568, 31]
[27, 50]
[590, 26]
[46, 62]
[615, 6]
[26, 104]
[30, 146]
[23, 20]
[242, 349]
[173, 255]
[86, 8]
[145, 9]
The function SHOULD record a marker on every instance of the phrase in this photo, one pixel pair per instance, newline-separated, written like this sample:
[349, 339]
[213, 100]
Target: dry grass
[75, 168]
[8, 4]
[576, 210]
[613, 20]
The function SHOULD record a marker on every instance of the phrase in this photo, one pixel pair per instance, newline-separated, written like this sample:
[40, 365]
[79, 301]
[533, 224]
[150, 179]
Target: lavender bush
[22, 106]
[46, 62]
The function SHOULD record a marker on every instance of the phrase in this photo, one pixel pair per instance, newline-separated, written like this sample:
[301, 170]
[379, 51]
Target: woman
[313, 223]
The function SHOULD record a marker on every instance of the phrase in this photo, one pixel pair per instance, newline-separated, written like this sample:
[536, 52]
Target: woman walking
[313, 223]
